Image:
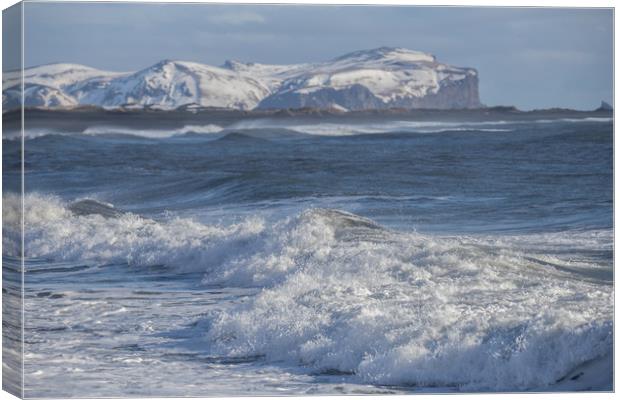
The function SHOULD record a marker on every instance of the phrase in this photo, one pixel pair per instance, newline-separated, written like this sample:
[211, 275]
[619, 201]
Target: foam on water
[153, 133]
[319, 129]
[408, 309]
[349, 129]
[54, 232]
[32, 133]
[341, 294]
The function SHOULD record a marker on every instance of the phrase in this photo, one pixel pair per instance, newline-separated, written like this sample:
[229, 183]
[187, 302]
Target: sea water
[299, 258]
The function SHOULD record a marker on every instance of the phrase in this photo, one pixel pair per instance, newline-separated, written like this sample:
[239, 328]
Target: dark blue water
[201, 224]
[535, 176]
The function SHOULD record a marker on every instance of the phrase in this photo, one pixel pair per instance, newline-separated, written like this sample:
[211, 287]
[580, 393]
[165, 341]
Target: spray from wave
[94, 231]
[153, 133]
[318, 129]
[351, 129]
[342, 294]
[33, 133]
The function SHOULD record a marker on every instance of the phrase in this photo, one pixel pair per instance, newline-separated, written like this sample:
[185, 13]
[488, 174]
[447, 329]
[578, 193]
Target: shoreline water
[265, 259]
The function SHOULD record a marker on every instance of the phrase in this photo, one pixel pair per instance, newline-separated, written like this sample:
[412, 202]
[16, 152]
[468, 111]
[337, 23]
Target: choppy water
[266, 258]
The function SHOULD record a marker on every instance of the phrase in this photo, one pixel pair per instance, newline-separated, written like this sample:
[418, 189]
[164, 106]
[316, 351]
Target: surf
[340, 292]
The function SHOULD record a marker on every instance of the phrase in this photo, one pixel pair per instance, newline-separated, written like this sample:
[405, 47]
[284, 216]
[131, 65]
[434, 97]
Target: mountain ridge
[385, 77]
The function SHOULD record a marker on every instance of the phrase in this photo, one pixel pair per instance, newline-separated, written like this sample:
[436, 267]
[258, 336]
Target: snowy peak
[235, 65]
[377, 78]
[262, 70]
[269, 75]
[387, 55]
[54, 75]
[380, 78]
[170, 84]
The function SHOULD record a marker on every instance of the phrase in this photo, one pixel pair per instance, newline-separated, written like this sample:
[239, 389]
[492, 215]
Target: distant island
[381, 78]
[79, 119]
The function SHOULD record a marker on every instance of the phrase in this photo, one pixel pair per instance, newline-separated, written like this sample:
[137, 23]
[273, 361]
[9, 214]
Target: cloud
[237, 18]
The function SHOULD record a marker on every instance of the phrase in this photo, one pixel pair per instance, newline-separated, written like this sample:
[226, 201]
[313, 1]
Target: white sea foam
[30, 133]
[53, 232]
[349, 129]
[414, 309]
[587, 119]
[341, 293]
[153, 133]
[319, 129]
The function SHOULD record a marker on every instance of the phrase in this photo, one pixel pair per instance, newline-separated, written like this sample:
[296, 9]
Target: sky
[527, 57]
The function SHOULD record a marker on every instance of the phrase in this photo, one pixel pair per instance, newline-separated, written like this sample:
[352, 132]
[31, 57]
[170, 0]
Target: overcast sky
[528, 57]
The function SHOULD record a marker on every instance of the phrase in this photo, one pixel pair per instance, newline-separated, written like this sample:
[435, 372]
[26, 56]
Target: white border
[476, 3]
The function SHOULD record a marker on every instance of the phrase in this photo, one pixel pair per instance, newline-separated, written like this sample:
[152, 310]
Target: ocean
[284, 256]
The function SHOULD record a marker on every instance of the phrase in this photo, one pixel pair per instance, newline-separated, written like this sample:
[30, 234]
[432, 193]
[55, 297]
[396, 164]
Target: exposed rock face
[456, 94]
[354, 97]
[372, 79]
[605, 106]
[392, 77]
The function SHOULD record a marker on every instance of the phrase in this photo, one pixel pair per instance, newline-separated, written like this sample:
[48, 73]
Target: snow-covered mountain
[36, 96]
[47, 85]
[170, 84]
[380, 78]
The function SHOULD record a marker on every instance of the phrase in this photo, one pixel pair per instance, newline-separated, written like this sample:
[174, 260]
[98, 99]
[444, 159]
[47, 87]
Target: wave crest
[53, 231]
[341, 293]
[153, 133]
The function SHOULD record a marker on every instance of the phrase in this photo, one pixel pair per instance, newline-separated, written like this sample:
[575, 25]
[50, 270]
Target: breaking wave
[318, 129]
[349, 129]
[342, 294]
[92, 231]
[32, 133]
[153, 133]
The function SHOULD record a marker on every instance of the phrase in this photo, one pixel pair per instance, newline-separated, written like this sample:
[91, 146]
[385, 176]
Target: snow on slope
[390, 74]
[45, 96]
[171, 84]
[270, 75]
[387, 72]
[377, 78]
[36, 96]
[45, 85]
[54, 75]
